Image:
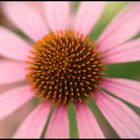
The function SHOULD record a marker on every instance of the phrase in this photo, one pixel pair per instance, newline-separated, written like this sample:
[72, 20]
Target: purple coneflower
[64, 66]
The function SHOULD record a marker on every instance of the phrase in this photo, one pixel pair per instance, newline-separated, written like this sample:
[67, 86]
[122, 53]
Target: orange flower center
[65, 67]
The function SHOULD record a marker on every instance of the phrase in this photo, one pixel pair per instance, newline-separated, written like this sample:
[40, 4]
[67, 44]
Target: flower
[60, 76]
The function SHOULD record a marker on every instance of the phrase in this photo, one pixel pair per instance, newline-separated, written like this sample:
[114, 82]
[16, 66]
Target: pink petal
[125, 26]
[124, 121]
[87, 16]
[13, 46]
[26, 18]
[128, 90]
[87, 125]
[11, 71]
[127, 52]
[58, 15]
[33, 126]
[59, 124]
[38, 5]
[13, 99]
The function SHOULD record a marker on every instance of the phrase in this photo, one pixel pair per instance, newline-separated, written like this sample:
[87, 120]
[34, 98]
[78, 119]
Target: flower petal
[125, 122]
[11, 71]
[13, 99]
[125, 26]
[87, 125]
[13, 46]
[128, 90]
[33, 126]
[127, 52]
[59, 124]
[58, 15]
[38, 5]
[26, 18]
[87, 16]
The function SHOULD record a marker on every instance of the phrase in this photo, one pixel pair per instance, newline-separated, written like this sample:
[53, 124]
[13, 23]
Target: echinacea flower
[64, 67]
